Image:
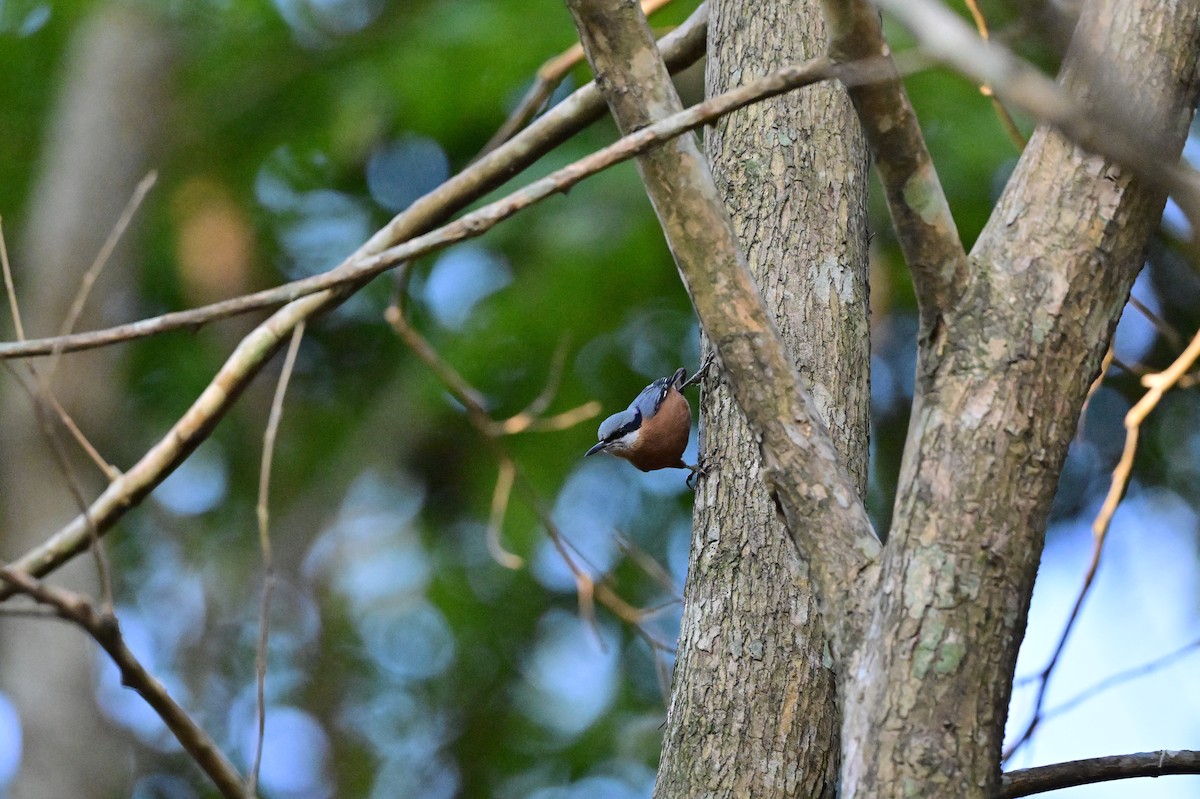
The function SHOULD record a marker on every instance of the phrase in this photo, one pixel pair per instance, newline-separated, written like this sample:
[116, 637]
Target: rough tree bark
[1000, 385]
[753, 709]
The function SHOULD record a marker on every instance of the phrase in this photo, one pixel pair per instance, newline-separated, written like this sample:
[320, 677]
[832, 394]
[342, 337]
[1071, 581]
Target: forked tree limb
[998, 395]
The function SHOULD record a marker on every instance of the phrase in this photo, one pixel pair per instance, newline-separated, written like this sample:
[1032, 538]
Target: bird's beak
[598, 448]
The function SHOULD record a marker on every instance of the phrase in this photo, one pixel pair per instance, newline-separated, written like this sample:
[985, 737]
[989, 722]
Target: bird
[653, 431]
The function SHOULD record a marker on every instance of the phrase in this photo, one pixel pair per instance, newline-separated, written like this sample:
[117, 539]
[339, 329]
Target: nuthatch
[653, 431]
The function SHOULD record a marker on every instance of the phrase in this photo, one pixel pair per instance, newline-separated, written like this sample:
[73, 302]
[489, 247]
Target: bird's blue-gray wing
[651, 397]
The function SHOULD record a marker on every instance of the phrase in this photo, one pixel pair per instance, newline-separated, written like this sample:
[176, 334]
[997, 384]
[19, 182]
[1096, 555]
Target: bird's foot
[702, 371]
[696, 472]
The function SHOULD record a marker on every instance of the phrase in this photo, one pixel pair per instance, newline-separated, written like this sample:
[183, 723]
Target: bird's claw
[696, 472]
[702, 371]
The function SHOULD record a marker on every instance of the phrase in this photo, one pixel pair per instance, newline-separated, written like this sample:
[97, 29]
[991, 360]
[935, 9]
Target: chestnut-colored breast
[663, 437]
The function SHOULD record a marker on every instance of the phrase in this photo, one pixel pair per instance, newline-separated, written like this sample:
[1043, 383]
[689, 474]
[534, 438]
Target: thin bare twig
[103, 627]
[13, 308]
[532, 419]
[524, 423]
[1135, 369]
[106, 250]
[264, 542]
[1157, 385]
[110, 472]
[1010, 125]
[500, 497]
[1122, 677]
[48, 433]
[1165, 329]
[547, 79]
[651, 567]
[588, 590]
[541, 402]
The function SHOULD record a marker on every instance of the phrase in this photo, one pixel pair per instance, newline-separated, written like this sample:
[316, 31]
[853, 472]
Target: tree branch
[1028, 781]
[1115, 122]
[681, 48]
[800, 465]
[103, 627]
[920, 214]
[588, 590]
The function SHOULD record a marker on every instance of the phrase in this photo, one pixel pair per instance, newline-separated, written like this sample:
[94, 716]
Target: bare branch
[1122, 677]
[1165, 328]
[500, 497]
[93, 272]
[680, 48]
[587, 589]
[264, 541]
[1029, 781]
[110, 472]
[918, 207]
[532, 419]
[1138, 145]
[548, 77]
[103, 627]
[1010, 125]
[1157, 385]
[11, 290]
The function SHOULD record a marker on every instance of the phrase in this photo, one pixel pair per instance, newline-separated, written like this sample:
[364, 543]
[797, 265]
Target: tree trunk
[1000, 385]
[753, 709]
